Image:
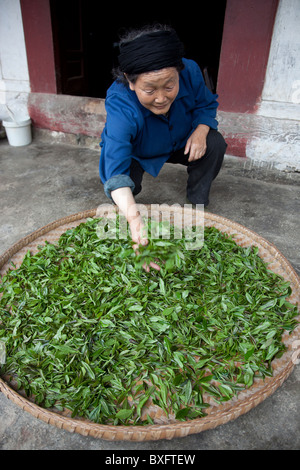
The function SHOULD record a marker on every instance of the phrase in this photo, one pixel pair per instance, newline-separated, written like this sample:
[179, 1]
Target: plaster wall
[282, 81]
[14, 77]
[275, 138]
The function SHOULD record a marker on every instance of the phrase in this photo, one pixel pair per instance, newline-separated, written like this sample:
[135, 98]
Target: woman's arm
[124, 199]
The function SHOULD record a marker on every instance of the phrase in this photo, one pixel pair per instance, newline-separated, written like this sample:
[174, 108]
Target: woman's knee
[216, 142]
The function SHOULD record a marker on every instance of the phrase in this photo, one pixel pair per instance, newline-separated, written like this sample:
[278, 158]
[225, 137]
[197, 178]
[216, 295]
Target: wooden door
[69, 47]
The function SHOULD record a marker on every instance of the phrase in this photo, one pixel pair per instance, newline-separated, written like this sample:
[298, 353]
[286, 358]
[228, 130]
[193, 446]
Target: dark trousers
[201, 173]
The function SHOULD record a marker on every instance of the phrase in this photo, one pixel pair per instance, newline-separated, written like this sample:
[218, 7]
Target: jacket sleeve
[116, 154]
[205, 109]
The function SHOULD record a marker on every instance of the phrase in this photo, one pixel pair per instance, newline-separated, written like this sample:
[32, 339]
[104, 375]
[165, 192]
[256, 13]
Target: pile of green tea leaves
[87, 329]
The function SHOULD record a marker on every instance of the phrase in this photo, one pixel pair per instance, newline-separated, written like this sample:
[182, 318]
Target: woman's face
[157, 90]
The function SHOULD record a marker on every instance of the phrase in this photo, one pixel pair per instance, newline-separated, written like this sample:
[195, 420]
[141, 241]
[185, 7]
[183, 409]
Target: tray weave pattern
[217, 414]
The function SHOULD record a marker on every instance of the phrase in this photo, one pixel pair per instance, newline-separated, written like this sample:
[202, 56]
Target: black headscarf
[151, 51]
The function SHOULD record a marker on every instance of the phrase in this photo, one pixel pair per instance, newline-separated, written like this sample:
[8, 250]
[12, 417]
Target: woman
[158, 110]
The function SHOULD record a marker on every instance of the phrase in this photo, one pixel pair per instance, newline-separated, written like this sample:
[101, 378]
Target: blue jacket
[133, 131]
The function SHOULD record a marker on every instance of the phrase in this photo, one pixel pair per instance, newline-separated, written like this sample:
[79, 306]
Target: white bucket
[18, 133]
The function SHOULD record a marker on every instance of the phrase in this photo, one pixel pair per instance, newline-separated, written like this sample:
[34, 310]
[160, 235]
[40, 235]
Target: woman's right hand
[125, 201]
[139, 237]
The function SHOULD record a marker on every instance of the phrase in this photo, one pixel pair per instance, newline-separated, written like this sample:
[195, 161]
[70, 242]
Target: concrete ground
[43, 182]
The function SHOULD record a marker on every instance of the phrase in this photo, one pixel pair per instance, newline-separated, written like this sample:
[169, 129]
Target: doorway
[85, 32]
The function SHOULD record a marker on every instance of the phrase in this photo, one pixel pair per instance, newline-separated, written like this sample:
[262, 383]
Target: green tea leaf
[87, 329]
[124, 414]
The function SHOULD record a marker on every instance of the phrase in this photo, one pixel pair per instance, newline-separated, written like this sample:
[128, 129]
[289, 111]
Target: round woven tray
[217, 414]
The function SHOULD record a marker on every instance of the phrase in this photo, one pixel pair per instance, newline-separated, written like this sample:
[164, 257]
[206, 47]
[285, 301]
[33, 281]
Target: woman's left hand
[196, 143]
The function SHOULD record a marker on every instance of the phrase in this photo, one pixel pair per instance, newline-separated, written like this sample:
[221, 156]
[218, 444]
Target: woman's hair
[131, 35]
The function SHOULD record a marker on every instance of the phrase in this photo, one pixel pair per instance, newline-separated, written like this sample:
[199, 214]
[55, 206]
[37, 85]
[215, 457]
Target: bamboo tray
[217, 414]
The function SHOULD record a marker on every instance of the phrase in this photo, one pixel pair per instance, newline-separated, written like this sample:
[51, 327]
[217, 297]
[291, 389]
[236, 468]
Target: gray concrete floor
[43, 182]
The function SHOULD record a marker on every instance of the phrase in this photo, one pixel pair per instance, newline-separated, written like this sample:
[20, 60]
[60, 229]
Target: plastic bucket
[18, 133]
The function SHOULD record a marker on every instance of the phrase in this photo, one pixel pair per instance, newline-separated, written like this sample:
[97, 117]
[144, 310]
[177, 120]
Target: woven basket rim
[245, 400]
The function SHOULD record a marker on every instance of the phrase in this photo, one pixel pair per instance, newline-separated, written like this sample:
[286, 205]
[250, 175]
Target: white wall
[276, 138]
[14, 77]
[282, 84]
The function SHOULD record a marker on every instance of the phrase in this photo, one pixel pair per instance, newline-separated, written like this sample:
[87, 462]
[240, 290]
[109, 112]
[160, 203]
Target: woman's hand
[125, 201]
[196, 143]
[139, 236]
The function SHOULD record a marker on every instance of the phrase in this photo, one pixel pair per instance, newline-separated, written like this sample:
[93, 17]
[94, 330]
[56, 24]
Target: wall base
[67, 114]
[80, 121]
[263, 139]
[51, 137]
